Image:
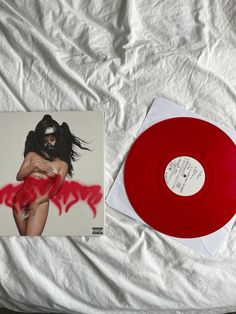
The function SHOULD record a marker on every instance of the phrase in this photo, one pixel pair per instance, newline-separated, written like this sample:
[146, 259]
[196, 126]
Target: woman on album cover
[48, 155]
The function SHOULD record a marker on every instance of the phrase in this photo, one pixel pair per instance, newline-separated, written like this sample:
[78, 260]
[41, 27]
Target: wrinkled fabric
[117, 56]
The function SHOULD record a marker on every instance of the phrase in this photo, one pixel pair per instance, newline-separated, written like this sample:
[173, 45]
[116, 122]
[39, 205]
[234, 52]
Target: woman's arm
[55, 188]
[28, 166]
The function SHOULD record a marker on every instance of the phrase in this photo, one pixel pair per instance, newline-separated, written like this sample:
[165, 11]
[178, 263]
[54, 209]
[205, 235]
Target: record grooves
[194, 144]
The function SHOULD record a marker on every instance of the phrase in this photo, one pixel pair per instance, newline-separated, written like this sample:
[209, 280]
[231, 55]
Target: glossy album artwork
[52, 173]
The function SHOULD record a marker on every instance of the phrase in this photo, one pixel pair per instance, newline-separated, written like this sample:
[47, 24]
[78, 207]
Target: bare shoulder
[31, 155]
[62, 164]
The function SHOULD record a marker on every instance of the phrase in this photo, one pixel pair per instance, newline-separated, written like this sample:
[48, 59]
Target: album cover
[52, 173]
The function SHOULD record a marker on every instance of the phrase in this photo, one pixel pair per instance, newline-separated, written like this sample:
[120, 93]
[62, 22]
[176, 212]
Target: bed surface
[117, 56]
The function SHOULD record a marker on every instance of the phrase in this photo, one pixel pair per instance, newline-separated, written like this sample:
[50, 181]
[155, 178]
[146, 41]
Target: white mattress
[117, 56]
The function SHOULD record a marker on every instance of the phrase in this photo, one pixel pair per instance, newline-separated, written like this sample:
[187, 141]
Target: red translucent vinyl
[182, 216]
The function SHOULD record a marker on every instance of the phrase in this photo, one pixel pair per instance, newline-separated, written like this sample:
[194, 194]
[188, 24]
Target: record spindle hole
[184, 176]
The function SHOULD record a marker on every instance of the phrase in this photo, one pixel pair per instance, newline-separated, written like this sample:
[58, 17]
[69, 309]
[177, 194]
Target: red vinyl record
[180, 177]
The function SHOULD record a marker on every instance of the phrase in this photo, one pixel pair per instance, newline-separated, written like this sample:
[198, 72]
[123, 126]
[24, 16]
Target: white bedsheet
[117, 56]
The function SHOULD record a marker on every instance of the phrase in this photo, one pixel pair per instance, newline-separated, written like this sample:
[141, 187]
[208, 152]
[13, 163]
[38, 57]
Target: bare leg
[20, 222]
[37, 219]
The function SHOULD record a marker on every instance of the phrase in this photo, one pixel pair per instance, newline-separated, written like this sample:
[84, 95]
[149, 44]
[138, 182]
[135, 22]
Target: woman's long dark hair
[65, 141]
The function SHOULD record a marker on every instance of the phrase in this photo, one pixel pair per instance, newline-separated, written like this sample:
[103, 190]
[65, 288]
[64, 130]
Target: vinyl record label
[184, 175]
